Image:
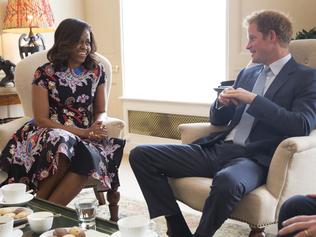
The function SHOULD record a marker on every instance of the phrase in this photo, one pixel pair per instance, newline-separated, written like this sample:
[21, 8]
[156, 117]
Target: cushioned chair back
[24, 75]
[304, 51]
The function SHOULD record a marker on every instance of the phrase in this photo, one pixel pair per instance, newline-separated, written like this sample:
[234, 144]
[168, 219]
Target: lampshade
[33, 16]
[21, 15]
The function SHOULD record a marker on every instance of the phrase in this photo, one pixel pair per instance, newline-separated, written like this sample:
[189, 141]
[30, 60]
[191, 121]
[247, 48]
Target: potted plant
[304, 34]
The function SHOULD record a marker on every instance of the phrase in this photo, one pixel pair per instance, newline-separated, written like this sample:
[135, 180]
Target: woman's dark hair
[67, 35]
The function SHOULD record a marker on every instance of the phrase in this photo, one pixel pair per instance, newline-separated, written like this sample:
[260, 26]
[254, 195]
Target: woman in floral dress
[66, 142]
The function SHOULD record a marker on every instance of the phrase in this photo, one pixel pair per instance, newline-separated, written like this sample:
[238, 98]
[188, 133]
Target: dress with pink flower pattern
[32, 153]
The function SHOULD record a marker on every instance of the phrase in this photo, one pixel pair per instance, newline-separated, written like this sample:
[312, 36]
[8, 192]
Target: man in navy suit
[269, 102]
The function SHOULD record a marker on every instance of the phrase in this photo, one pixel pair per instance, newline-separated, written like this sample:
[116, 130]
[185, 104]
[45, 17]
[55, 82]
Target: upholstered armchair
[23, 79]
[292, 170]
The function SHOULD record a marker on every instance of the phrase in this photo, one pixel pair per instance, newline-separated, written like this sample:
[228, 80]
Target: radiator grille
[159, 124]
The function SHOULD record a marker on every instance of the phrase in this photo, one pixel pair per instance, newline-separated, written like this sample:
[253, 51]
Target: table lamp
[32, 16]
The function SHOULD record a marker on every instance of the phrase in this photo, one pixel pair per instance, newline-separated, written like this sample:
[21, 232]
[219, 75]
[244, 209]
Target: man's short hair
[267, 20]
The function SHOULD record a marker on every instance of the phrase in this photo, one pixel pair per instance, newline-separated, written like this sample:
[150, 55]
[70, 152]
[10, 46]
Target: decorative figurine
[8, 67]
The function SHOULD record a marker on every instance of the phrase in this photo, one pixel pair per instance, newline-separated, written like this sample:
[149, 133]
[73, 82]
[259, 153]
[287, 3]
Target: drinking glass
[86, 209]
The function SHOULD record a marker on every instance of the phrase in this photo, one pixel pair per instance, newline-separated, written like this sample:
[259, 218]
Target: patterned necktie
[243, 128]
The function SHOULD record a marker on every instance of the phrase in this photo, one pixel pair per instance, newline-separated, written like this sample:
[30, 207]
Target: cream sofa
[292, 170]
[23, 82]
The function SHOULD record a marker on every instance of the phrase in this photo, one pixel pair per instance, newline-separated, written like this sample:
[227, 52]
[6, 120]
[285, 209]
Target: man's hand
[303, 225]
[224, 100]
[236, 96]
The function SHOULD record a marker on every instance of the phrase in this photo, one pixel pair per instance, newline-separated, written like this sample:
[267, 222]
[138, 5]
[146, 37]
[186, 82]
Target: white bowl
[41, 221]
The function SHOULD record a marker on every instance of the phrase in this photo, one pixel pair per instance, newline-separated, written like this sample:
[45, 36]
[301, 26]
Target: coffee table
[68, 218]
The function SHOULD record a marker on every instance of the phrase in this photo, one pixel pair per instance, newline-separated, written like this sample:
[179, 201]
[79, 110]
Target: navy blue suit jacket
[287, 109]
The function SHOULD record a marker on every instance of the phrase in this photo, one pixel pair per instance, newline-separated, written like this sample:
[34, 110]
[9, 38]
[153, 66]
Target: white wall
[104, 17]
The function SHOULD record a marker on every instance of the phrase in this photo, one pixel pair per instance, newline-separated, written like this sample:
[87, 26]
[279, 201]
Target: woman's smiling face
[81, 50]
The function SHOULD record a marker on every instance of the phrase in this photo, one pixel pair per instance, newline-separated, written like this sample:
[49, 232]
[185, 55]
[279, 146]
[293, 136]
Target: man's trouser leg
[153, 164]
[237, 178]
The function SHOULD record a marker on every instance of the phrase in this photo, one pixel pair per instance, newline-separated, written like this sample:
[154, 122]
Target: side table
[9, 97]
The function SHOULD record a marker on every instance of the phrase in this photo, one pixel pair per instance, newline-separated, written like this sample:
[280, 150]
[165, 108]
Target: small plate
[89, 233]
[17, 233]
[17, 221]
[150, 233]
[28, 197]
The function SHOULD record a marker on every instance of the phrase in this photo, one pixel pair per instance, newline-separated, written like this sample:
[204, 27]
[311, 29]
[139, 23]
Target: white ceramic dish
[17, 233]
[12, 209]
[149, 234]
[28, 197]
[40, 221]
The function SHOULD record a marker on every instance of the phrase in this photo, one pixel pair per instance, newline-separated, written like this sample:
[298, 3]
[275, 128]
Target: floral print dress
[32, 153]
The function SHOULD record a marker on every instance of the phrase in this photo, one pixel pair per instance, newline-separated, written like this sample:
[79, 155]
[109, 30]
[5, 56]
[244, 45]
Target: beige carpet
[132, 207]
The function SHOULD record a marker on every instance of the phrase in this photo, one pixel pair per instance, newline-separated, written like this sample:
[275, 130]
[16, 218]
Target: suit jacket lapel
[281, 78]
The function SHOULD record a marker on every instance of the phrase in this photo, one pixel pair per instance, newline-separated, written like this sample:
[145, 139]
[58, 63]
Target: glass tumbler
[86, 209]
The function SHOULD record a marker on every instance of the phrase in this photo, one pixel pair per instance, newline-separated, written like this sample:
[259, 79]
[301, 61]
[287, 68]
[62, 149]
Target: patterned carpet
[132, 207]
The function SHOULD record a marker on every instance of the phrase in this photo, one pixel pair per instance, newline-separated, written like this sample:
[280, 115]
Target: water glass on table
[86, 209]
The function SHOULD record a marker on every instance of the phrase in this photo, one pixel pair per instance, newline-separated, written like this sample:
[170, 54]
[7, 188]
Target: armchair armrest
[115, 127]
[292, 169]
[192, 131]
[8, 129]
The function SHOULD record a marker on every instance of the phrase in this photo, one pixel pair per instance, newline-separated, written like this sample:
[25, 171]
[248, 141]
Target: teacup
[13, 193]
[6, 226]
[40, 221]
[134, 226]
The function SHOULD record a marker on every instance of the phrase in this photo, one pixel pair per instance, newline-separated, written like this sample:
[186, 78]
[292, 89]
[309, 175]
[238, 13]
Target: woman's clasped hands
[97, 131]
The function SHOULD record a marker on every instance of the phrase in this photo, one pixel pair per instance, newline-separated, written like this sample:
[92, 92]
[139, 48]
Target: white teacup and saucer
[6, 228]
[14, 194]
[40, 221]
[135, 226]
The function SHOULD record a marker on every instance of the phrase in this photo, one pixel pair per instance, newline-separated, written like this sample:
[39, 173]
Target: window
[173, 50]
